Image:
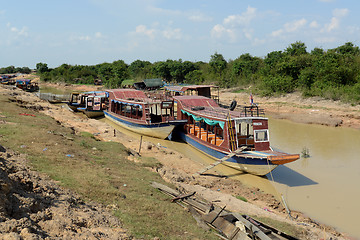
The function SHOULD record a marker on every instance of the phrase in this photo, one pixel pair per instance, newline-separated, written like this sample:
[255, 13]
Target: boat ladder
[147, 113]
[221, 160]
[231, 134]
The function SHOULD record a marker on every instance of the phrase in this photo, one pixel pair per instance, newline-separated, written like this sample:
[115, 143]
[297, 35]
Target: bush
[277, 84]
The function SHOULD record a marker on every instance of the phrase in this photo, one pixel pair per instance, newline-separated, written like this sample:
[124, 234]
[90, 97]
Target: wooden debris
[232, 226]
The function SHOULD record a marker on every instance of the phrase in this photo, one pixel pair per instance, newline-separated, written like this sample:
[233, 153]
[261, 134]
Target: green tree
[296, 49]
[217, 63]
[42, 67]
[139, 68]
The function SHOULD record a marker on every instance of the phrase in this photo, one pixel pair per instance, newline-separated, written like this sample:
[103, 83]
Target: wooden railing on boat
[246, 111]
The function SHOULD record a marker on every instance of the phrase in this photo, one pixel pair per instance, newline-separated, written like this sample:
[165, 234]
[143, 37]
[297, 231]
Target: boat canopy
[127, 103]
[207, 120]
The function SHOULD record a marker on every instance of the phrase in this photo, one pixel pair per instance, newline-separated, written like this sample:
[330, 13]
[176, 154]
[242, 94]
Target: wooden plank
[181, 197]
[221, 160]
[251, 227]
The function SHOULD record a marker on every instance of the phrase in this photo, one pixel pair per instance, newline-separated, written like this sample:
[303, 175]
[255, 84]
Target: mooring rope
[282, 200]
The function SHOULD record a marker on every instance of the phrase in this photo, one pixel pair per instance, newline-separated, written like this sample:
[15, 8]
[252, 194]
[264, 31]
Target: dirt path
[178, 169]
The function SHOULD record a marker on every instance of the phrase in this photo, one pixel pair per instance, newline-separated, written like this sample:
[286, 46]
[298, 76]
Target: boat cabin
[136, 104]
[96, 101]
[210, 124]
[209, 91]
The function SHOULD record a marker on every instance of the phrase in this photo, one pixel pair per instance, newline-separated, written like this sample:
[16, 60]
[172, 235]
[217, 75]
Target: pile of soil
[33, 206]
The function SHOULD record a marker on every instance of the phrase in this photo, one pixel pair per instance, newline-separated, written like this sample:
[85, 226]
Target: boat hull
[94, 113]
[159, 130]
[244, 162]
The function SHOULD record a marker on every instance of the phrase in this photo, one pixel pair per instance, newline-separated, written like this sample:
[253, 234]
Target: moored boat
[135, 111]
[27, 85]
[95, 105]
[239, 138]
[78, 100]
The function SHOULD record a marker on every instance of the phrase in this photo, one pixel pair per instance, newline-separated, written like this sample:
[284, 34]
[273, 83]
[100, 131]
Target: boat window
[166, 105]
[261, 135]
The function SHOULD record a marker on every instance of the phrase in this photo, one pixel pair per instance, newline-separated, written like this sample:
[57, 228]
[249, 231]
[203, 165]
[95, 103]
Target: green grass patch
[282, 226]
[242, 198]
[98, 171]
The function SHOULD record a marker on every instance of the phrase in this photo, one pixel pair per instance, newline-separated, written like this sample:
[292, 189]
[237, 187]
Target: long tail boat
[134, 110]
[239, 139]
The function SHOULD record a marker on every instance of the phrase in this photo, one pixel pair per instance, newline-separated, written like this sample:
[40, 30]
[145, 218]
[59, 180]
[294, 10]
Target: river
[323, 186]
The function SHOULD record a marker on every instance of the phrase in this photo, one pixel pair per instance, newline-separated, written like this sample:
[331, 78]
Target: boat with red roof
[239, 139]
[141, 113]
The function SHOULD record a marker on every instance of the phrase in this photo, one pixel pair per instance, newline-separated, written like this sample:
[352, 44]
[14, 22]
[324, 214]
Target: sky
[89, 32]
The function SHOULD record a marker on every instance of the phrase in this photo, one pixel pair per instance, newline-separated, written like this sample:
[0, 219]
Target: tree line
[332, 74]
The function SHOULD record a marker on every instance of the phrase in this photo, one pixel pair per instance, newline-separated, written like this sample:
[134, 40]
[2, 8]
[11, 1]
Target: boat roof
[179, 88]
[127, 94]
[26, 81]
[206, 107]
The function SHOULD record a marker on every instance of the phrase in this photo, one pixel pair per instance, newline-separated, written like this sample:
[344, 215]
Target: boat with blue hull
[138, 112]
[239, 139]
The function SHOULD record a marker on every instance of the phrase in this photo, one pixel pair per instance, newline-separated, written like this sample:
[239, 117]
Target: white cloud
[98, 35]
[335, 20]
[241, 20]
[219, 31]
[231, 25]
[143, 30]
[295, 25]
[334, 24]
[340, 12]
[290, 27]
[199, 17]
[314, 24]
[172, 33]
[277, 33]
[19, 32]
[75, 38]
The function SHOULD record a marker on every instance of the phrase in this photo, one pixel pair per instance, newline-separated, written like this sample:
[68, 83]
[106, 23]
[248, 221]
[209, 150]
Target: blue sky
[88, 32]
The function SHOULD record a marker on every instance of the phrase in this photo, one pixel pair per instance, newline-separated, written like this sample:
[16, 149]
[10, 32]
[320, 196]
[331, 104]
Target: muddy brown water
[324, 186]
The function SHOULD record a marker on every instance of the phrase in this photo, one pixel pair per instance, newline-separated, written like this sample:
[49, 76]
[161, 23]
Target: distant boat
[239, 139]
[210, 91]
[96, 104]
[78, 100]
[136, 111]
[27, 85]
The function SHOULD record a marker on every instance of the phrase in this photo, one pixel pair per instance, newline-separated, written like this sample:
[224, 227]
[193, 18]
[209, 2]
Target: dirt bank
[33, 206]
[178, 169]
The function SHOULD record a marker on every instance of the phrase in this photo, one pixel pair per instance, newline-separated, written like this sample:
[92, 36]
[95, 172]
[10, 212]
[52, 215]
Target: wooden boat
[135, 111]
[77, 102]
[239, 138]
[95, 105]
[26, 85]
[210, 91]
